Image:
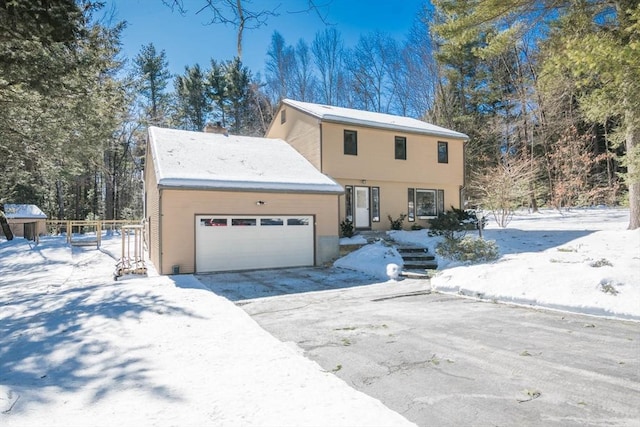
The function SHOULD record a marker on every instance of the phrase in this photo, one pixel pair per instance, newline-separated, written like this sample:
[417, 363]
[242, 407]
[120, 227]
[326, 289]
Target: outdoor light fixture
[261, 202]
[364, 181]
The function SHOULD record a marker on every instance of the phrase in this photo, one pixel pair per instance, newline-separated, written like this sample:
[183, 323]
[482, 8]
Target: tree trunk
[241, 23]
[60, 197]
[633, 174]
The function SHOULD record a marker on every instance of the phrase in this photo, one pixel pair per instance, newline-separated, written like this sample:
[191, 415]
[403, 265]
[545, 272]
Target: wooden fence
[84, 232]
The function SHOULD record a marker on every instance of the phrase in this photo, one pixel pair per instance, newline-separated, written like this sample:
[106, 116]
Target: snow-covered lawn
[584, 261]
[77, 348]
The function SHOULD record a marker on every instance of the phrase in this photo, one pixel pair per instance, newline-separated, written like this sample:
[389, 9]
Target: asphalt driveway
[449, 361]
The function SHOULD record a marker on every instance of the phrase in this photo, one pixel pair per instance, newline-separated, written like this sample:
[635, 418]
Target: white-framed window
[425, 203]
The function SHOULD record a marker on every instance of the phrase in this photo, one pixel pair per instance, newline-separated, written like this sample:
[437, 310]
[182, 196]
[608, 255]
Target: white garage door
[246, 242]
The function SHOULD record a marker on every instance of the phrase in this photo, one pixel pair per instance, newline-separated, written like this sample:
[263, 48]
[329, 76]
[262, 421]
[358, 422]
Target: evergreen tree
[60, 103]
[193, 105]
[238, 79]
[151, 69]
[603, 53]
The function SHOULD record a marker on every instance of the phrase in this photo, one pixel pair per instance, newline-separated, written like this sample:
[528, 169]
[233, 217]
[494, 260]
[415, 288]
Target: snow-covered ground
[77, 348]
[583, 260]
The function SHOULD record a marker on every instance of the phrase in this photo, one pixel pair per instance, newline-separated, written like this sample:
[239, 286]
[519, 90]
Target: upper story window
[283, 117]
[401, 148]
[443, 152]
[351, 142]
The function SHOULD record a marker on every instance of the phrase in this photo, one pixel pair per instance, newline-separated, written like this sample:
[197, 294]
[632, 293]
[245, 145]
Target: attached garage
[218, 202]
[244, 242]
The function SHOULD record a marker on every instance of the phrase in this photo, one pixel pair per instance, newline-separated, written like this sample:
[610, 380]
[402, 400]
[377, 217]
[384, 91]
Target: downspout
[160, 252]
[321, 152]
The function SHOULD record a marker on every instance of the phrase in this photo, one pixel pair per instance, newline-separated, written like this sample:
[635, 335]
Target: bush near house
[396, 224]
[454, 221]
[346, 228]
[453, 226]
[468, 249]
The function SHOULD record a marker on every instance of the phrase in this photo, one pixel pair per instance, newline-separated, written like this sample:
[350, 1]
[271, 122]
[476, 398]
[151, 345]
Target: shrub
[396, 224]
[346, 228]
[449, 223]
[416, 227]
[468, 249]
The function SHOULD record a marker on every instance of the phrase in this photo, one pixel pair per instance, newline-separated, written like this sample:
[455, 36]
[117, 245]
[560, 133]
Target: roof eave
[250, 187]
[387, 126]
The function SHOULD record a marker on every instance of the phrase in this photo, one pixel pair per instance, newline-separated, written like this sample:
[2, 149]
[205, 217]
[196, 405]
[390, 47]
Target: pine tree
[152, 72]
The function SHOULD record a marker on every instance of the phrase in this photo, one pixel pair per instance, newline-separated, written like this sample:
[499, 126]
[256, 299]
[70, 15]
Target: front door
[362, 217]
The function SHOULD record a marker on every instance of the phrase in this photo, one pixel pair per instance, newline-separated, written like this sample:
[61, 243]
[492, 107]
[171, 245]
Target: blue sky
[187, 40]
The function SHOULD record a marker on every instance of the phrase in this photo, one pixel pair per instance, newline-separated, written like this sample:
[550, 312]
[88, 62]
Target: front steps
[418, 262]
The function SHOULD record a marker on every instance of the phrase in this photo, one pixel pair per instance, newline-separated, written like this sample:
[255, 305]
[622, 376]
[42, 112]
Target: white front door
[362, 217]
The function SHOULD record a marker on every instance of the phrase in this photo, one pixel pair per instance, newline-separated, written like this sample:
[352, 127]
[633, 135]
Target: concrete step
[421, 275]
[418, 265]
[418, 257]
[411, 249]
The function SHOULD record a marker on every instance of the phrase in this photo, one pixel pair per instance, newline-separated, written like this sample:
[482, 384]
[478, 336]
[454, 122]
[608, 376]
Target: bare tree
[279, 67]
[369, 65]
[304, 81]
[327, 49]
[234, 12]
[502, 188]
[418, 77]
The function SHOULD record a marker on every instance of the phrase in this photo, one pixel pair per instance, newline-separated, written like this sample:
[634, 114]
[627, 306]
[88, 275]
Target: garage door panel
[249, 242]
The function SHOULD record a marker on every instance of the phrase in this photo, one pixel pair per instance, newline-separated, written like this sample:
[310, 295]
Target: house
[26, 220]
[388, 165]
[219, 202]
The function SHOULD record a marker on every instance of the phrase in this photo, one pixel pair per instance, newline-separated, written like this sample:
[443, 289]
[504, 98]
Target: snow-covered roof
[215, 161]
[15, 211]
[370, 119]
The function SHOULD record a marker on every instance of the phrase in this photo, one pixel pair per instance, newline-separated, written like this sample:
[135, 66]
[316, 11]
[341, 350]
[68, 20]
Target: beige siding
[394, 200]
[376, 157]
[152, 204]
[301, 131]
[375, 164]
[179, 208]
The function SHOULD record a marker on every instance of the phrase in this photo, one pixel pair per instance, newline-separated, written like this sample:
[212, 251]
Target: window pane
[401, 148]
[411, 211]
[351, 142]
[298, 221]
[361, 198]
[271, 221]
[440, 201]
[243, 221]
[443, 152]
[213, 222]
[348, 202]
[375, 204]
[425, 203]
[283, 116]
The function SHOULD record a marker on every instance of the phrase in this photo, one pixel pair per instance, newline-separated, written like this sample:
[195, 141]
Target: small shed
[26, 221]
